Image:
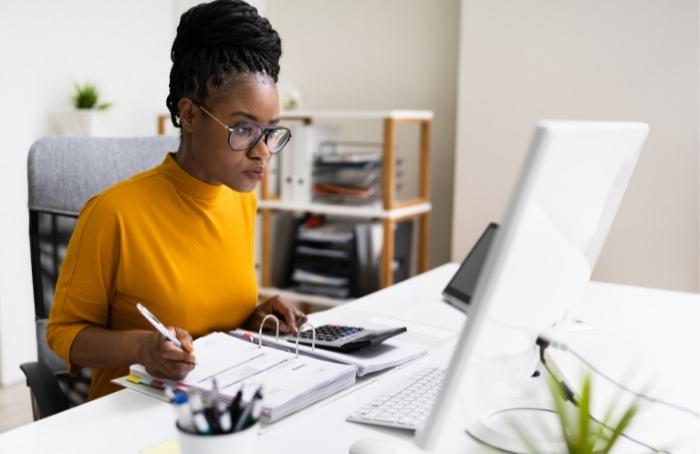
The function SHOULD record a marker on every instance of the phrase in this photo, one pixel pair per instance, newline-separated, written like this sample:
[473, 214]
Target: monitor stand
[505, 428]
[515, 405]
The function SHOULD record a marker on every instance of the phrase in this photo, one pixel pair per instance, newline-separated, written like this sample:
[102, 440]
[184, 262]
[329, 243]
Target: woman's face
[206, 154]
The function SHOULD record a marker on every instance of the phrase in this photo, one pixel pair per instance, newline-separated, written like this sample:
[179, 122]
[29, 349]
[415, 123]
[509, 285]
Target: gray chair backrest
[63, 173]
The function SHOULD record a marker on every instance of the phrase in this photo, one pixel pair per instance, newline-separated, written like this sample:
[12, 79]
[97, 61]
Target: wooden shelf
[391, 210]
[360, 212]
[267, 292]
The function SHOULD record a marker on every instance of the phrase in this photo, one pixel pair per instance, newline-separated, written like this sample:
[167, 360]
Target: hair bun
[225, 23]
[217, 39]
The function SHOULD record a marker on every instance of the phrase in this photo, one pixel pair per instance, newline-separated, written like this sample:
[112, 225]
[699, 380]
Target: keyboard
[345, 339]
[407, 405]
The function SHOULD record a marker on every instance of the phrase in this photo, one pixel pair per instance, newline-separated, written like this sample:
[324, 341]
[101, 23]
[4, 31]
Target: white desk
[129, 422]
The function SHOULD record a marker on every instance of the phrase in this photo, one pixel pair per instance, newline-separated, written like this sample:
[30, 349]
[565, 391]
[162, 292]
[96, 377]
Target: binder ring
[313, 339]
[277, 333]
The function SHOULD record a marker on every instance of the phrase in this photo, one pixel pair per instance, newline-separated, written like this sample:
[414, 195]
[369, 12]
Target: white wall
[45, 45]
[388, 54]
[598, 59]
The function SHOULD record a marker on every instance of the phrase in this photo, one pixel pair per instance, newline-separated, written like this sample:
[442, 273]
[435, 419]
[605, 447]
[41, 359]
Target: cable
[569, 395]
[544, 343]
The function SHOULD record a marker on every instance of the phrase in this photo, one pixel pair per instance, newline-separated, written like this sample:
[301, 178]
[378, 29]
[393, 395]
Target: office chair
[63, 173]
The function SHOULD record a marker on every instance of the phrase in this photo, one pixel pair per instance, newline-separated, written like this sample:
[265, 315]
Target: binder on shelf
[291, 382]
[298, 158]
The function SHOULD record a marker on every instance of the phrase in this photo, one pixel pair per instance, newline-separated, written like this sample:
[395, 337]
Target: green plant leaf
[622, 425]
[580, 434]
[584, 404]
[560, 407]
[86, 96]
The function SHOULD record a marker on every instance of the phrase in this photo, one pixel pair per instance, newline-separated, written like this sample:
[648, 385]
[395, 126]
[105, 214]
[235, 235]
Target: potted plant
[579, 432]
[88, 116]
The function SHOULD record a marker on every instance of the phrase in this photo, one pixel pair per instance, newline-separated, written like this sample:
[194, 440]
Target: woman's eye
[242, 130]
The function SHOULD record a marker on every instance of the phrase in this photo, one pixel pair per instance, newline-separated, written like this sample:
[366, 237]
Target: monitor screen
[461, 287]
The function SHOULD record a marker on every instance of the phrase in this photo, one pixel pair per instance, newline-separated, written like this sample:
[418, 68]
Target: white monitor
[559, 214]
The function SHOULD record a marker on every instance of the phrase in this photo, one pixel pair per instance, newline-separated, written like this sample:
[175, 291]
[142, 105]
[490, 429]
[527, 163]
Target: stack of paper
[289, 383]
[324, 259]
[348, 173]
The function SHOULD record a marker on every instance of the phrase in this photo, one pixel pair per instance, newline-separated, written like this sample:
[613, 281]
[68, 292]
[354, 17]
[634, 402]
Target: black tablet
[459, 291]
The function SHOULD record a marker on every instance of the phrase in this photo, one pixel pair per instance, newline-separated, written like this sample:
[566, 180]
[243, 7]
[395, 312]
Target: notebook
[290, 382]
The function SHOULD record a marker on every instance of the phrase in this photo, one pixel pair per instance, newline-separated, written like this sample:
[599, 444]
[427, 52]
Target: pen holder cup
[242, 442]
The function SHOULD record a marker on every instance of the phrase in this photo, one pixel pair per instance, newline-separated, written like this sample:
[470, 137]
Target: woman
[179, 238]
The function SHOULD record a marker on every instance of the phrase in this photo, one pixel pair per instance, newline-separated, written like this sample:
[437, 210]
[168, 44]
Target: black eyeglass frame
[264, 131]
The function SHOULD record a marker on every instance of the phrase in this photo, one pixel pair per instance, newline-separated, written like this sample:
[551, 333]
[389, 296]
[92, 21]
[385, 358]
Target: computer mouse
[381, 446]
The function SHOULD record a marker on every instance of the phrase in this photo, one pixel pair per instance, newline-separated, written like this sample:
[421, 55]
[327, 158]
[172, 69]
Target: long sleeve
[87, 278]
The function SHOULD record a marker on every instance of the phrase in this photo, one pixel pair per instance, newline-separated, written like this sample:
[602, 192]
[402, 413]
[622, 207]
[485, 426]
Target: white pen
[158, 325]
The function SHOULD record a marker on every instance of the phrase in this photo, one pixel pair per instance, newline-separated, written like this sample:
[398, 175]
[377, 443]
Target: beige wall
[598, 59]
[388, 54]
[46, 46]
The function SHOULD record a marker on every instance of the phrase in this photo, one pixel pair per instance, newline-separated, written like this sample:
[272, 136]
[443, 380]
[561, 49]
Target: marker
[184, 416]
[158, 325]
[168, 391]
[197, 408]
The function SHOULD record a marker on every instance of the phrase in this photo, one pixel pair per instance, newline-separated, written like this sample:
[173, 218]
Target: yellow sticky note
[169, 446]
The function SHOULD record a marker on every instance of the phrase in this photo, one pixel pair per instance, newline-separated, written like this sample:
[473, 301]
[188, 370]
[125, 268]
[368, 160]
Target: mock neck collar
[189, 184]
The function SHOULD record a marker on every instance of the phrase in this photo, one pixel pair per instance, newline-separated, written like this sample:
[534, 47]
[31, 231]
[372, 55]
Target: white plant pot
[84, 122]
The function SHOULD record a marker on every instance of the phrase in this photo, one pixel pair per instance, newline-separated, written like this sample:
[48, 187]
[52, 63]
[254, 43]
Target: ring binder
[277, 333]
[313, 337]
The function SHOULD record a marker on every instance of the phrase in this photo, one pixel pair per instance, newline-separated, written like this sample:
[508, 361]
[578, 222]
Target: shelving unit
[391, 211]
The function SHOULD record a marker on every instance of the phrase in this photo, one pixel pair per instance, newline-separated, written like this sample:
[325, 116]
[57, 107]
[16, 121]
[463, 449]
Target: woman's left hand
[290, 317]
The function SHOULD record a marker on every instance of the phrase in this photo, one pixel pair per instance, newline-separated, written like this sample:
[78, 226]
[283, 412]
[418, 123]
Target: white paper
[289, 383]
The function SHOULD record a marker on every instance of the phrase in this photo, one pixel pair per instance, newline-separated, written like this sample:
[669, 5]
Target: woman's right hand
[164, 359]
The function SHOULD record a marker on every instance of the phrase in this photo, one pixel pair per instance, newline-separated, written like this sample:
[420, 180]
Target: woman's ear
[188, 112]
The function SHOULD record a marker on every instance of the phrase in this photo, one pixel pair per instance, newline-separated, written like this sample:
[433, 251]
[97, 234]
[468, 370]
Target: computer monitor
[561, 209]
[460, 289]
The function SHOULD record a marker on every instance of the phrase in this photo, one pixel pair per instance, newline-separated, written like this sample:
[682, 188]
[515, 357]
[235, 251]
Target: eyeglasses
[244, 136]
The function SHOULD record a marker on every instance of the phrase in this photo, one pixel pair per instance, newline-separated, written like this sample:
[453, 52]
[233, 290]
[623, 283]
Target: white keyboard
[407, 405]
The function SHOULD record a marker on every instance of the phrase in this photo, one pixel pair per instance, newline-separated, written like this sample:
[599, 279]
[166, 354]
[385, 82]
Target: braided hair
[215, 40]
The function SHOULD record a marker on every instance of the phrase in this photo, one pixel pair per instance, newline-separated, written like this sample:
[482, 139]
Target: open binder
[390, 353]
[290, 381]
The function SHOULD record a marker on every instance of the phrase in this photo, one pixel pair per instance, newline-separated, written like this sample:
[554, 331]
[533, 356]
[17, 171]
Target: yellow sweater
[182, 247]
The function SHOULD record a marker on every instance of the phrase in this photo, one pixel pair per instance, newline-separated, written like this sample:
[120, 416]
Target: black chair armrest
[47, 394]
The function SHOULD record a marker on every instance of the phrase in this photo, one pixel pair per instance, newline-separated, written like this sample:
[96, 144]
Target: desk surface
[129, 422]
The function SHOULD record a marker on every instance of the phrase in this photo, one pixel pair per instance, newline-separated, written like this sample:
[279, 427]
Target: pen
[225, 422]
[158, 325]
[197, 408]
[243, 417]
[257, 409]
[212, 411]
[234, 407]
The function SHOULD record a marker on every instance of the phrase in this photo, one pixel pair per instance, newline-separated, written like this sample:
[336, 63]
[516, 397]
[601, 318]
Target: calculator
[346, 339]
